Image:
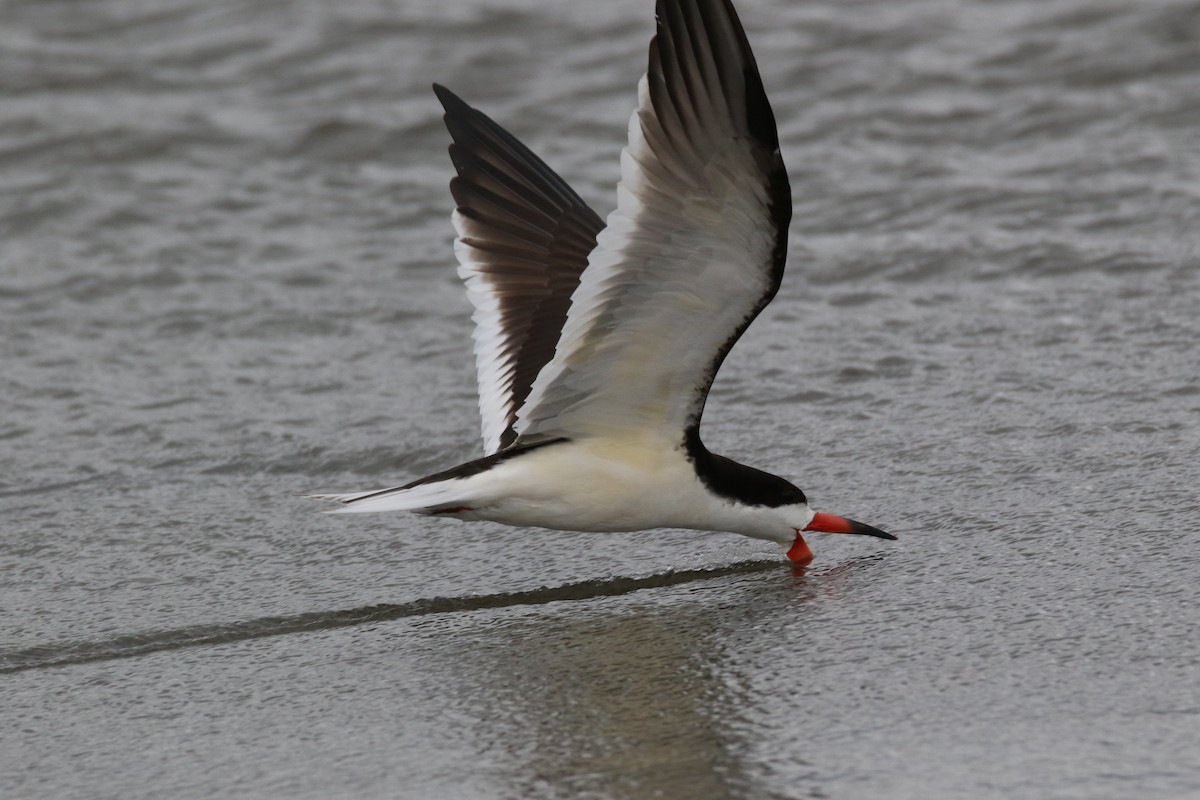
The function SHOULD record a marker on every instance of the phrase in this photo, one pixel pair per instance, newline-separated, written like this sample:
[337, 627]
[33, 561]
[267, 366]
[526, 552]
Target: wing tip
[721, 27]
[443, 94]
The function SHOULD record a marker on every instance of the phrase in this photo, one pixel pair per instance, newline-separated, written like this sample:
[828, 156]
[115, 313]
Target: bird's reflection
[628, 697]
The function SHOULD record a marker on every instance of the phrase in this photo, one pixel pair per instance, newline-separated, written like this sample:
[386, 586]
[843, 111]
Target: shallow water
[226, 280]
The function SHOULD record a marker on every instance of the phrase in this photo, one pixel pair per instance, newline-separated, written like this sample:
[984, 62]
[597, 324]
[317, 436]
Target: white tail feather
[421, 499]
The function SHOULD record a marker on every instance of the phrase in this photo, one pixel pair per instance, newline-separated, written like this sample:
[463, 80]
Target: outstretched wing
[523, 240]
[693, 252]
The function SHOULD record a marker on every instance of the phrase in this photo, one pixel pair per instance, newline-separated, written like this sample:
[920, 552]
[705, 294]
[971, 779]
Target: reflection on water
[633, 701]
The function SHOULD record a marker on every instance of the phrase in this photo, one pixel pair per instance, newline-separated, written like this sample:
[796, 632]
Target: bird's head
[765, 506]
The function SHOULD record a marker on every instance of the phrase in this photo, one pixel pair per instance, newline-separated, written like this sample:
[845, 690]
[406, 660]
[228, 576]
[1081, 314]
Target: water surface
[226, 279]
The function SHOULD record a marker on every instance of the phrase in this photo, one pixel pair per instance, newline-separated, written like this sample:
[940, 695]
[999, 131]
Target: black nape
[727, 478]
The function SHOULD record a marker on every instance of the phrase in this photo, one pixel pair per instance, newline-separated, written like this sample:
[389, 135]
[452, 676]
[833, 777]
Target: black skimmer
[596, 342]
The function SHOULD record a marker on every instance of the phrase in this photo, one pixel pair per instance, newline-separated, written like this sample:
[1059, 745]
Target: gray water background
[226, 279]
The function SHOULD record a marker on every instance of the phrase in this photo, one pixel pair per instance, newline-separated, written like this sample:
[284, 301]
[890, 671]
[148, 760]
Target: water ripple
[129, 646]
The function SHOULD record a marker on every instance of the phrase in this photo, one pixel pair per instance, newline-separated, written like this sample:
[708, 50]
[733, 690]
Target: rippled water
[226, 280]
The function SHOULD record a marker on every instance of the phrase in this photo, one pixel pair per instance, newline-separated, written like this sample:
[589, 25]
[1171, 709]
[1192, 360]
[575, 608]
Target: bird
[596, 341]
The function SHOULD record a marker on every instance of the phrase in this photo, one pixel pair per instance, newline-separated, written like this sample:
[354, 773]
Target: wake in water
[67, 653]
